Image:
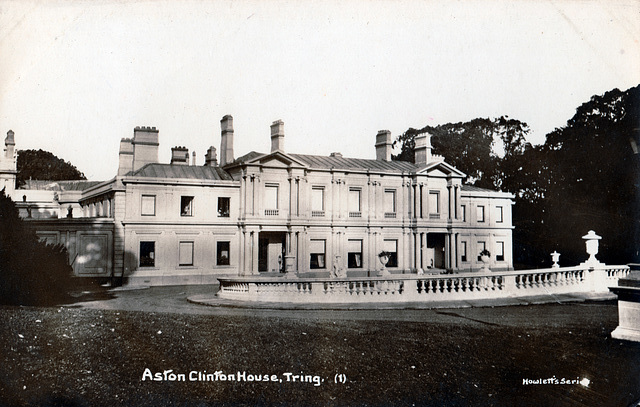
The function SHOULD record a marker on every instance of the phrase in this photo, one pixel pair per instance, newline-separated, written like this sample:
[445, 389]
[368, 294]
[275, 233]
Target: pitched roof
[342, 163]
[182, 171]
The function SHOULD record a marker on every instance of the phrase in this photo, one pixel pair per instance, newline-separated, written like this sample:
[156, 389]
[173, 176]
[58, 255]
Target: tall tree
[43, 165]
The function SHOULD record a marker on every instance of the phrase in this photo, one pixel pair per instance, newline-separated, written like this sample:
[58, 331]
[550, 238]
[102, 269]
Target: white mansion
[181, 223]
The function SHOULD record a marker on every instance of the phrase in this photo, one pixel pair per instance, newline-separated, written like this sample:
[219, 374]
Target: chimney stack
[277, 136]
[145, 146]
[125, 156]
[193, 161]
[226, 140]
[9, 144]
[210, 159]
[383, 145]
[180, 156]
[422, 150]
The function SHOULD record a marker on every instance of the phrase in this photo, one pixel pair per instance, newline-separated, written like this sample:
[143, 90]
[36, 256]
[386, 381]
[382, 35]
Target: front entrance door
[271, 247]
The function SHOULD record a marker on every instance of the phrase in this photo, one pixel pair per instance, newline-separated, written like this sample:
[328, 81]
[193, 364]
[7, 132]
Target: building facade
[266, 213]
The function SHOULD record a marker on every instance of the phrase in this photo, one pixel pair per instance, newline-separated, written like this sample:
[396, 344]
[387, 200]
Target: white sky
[77, 76]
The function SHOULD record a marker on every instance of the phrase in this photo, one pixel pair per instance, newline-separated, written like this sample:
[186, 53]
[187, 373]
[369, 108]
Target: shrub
[31, 272]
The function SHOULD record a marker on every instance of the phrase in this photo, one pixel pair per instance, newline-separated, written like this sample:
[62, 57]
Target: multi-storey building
[180, 223]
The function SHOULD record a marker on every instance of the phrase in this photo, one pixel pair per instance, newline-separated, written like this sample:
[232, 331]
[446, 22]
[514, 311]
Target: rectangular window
[223, 207]
[186, 206]
[355, 207]
[464, 212]
[499, 214]
[317, 250]
[223, 253]
[463, 251]
[391, 246]
[390, 203]
[481, 246]
[480, 213]
[185, 254]
[499, 251]
[148, 205]
[147, 254]
[354, 254]
[434, 202]
[271, 196]
[317, 201]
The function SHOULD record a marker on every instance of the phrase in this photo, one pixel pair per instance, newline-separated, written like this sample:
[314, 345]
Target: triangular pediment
[277, 159]
[441, 169]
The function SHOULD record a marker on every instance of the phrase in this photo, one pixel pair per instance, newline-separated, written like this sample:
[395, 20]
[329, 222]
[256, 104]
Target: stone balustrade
[397, 288]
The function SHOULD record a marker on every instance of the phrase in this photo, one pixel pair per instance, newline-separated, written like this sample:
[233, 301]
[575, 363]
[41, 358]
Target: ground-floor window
[222, 253]
[185, 254]
[499, 251]
[147, 254]
[481, 247]
[463, 251]
[391, 247]
[317, 250]
[354, 254]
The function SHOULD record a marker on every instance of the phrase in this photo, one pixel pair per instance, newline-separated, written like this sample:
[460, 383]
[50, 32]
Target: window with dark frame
[481, 247]
[147, 254]
[391, 247]
[480, 213]
[499, 214]
[499, 251]
[463, 251]
[354, 254]
[223, 253]
[186, 206]
[223, 207]
[317, 254]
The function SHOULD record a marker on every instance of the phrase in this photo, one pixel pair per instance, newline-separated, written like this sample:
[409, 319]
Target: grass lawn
[78, 357]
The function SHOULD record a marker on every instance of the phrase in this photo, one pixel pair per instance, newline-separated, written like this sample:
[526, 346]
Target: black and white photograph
[319, 203]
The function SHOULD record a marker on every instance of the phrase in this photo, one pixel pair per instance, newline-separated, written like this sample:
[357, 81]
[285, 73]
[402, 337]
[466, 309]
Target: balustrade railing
[424, 288]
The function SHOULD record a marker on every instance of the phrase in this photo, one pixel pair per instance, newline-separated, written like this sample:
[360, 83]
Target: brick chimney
[193, 160]
[422, 151]
[145, 146]
[226, 140]
[9, 144]
[125, 156]
[277, 136]
[210, 159]
[383, 145]
[180, 155]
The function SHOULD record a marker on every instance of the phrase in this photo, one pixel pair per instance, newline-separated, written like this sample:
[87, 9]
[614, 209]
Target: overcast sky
[77, 76]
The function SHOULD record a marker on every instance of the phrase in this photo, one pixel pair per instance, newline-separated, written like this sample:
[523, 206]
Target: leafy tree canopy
[43, 165]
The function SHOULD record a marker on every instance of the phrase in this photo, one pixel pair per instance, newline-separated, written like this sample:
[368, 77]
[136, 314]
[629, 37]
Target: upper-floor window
[186, 206]
[390, 203]
[271, 196]
[148, 205]
[223, 207]
[499, 214]
[434, 204]
[463, 209]
[355, 205]
[480, 213]
[317, 201]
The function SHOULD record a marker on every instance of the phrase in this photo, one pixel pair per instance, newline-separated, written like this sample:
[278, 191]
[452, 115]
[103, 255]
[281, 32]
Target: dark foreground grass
[80, 357]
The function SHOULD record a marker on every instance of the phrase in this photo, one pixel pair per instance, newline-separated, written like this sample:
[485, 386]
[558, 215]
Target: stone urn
[384, 259]
[485, 257]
